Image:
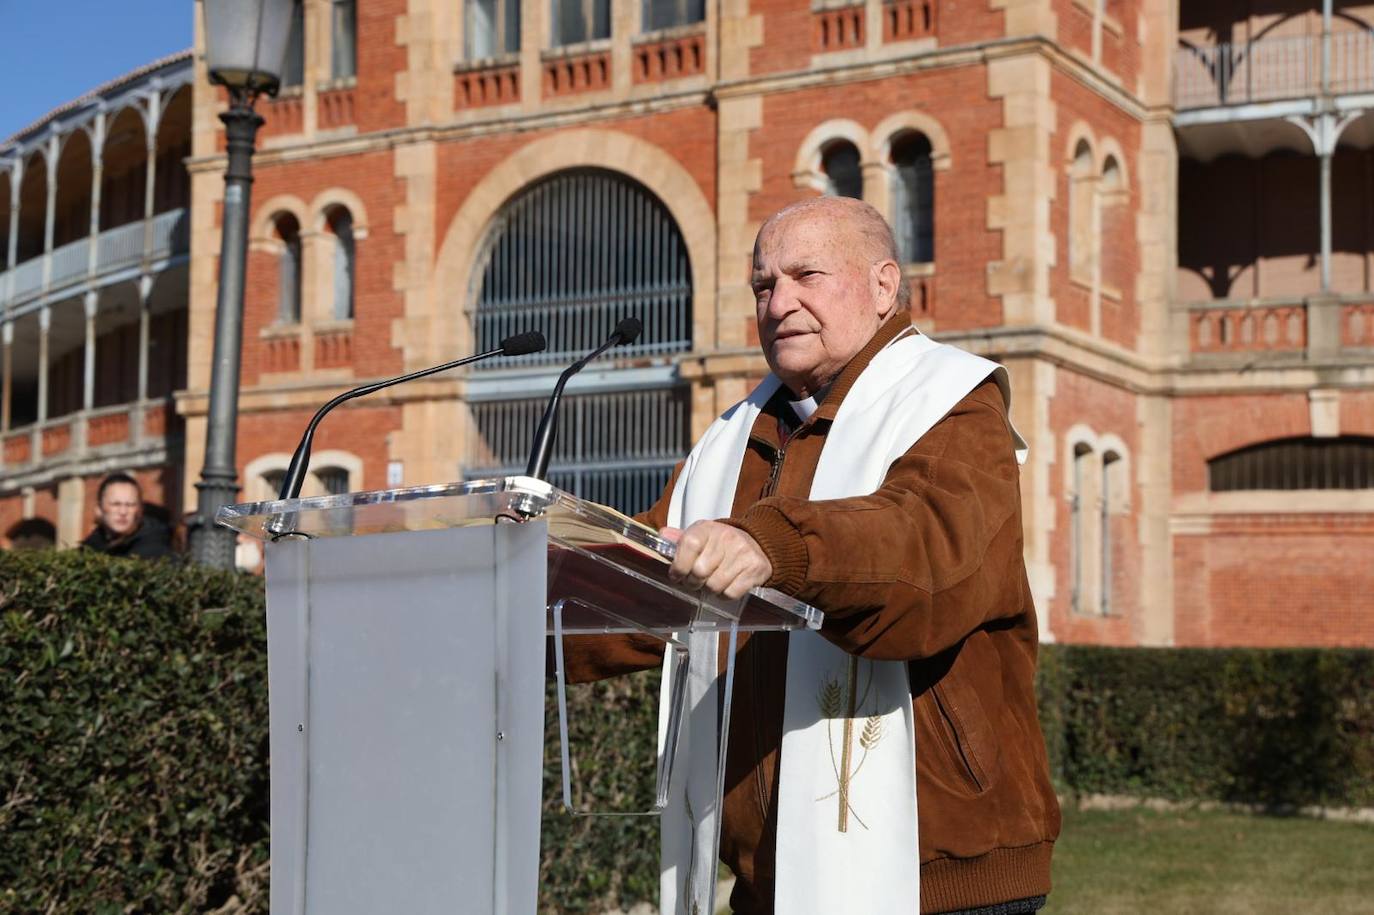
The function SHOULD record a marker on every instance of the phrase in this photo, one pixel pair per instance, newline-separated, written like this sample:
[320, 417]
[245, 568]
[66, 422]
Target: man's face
[817, 302]
[121, 509]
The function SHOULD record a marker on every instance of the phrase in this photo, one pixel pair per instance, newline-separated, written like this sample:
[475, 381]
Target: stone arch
[1079, 133]
[333, 197]
[262, 233]
[1109, 151]
[646, 163]
[344, 460]
[807, 172]
[895, 125]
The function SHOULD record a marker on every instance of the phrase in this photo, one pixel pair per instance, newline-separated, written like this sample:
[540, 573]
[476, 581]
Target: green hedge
[133, 741]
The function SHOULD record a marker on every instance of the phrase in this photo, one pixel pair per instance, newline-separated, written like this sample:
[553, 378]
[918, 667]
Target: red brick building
[1121, 202]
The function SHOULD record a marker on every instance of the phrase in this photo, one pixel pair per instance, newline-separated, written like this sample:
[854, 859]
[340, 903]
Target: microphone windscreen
[531, 341]
[628, 330]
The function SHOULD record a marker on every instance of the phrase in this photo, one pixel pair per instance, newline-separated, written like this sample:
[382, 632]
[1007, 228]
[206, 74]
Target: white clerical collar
[804, 408]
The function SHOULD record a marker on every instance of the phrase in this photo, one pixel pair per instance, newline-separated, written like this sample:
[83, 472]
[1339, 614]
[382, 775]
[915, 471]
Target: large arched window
[1345, 462]
[913, 199]
[573, 255]
[340, 223]
[843, 175]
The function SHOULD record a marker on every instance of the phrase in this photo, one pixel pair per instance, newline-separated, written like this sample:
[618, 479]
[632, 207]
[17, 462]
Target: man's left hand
[723, 559]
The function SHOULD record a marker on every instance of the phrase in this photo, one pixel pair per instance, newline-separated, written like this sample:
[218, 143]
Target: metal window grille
[844, 178]
[573, 255]
[334, 480]
[1346, 462]
[615, 448]
[913, 199]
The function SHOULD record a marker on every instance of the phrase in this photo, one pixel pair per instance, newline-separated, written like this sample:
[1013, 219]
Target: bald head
[825, 278]
[856, 224]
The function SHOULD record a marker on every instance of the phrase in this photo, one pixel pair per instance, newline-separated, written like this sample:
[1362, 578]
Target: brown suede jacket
[928, 569]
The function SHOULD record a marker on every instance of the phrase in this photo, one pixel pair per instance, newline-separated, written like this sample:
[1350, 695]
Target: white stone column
[50, 216]
[6, 375]
[16, 174]
[149, 201]
[16, 179]
[97, 181]
[91, 302]
[36, 441]
[145, 288]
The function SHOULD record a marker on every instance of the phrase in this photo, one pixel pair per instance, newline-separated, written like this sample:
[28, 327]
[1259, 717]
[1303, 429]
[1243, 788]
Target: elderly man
[122, 529]
[873, 475]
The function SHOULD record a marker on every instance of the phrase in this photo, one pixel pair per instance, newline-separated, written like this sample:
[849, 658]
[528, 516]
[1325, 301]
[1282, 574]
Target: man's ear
[887, 280]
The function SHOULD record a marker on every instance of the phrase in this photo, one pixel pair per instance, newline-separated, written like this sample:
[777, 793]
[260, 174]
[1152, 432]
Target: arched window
[293, 67]
[333, 480]
[574, 254]
[843, 176]
[571, 256]
[913, 199]
[1346, 462]
[288, 269]
[1083, 230]
[1111, 482]
[340, 223]
[1079, 534]
[270, 484]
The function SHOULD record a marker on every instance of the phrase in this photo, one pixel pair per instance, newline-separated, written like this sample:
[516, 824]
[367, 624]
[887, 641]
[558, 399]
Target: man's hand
[721, 558]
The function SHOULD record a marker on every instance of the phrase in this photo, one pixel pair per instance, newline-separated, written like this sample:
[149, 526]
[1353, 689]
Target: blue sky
[53, 51]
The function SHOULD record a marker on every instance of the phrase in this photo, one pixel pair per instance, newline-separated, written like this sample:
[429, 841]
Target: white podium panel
[407, 702]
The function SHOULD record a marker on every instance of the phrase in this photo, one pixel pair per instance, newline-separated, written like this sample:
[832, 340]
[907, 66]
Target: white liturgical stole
[847, 839]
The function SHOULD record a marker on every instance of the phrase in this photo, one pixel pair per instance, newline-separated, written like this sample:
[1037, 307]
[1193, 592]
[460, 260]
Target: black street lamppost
[245, 48]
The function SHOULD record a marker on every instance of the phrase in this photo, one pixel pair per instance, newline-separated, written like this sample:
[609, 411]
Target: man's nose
[782, 300]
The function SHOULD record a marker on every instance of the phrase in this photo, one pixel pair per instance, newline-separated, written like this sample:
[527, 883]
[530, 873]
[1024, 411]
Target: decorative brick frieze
[1235, 329]
[838, 29]
[573, 74]
[487, 85]
[107, 429]
[283, 116]
[335, 107]
[1357, 324]
[333, 348]
[57, 438]
[659, 58]
[904, 20]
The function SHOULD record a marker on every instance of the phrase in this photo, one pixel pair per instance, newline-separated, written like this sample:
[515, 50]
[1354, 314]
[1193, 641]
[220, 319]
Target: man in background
[122, 528]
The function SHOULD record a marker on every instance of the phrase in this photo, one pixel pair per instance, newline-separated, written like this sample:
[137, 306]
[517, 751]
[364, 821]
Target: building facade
[1120, 200]
[95, 244]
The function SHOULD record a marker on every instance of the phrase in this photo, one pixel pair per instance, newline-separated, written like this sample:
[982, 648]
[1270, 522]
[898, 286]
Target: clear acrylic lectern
[406, 661]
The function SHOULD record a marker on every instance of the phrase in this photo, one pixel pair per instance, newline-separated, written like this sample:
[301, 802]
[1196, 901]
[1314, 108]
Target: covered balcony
[94, 243]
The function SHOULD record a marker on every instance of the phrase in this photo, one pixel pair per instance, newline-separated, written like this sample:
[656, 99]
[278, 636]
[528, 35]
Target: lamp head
[245, 43]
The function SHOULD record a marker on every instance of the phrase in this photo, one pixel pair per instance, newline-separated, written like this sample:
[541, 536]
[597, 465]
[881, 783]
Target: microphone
[625, 332]
[531, 341]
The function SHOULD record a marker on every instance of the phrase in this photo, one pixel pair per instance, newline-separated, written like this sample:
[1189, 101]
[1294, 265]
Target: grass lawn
[1141, 861]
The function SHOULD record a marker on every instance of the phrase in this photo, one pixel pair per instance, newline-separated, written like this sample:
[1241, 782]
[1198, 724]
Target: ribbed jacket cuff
[781, 543]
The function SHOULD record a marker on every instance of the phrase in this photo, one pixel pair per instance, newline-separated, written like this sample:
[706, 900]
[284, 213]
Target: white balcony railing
[116, 249]
[1270, 69]
[70, 262]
